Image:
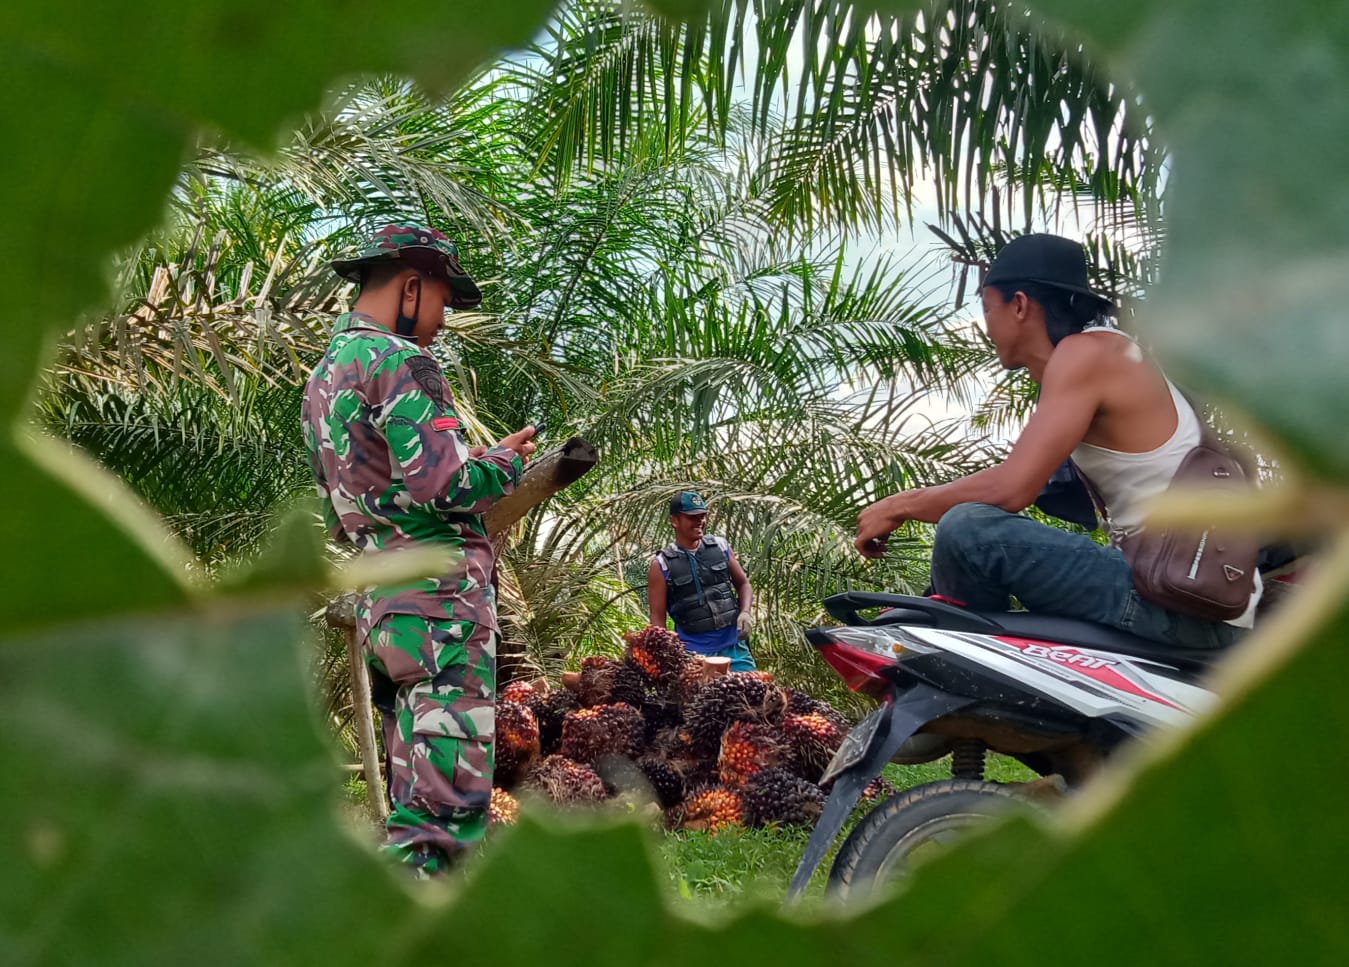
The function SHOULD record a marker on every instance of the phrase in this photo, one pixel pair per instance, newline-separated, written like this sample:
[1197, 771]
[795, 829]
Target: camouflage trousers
[437, 735]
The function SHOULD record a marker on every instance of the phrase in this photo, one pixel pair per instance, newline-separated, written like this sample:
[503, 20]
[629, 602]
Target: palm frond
[974, 93]
[216, 469]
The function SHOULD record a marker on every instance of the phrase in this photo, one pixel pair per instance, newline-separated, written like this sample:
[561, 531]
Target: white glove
[744, 624]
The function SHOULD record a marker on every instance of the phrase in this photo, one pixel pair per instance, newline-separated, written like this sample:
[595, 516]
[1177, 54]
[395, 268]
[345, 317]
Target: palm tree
[975, 94]
[650, 306]
[665, 289]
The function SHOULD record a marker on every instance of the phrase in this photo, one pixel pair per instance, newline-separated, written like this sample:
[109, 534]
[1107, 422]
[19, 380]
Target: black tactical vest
[708, 603]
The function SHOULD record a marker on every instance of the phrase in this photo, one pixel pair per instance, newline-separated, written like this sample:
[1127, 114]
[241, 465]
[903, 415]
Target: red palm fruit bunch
[549, 710]
[813, 740]
[876, 790]
[517, 743]
[591, 734]
[672, 743]
[737, 697]
[697, 773]
[685, 683]
[504, 809]
[657, 653]
[674, 747]
[712, 809]
[667, 784]
[747, 747]
[800, 703]
[629, 687]
[777, 796]
[607, 680]
[596, 684]
[565, 782]
[660, 717]
[517, 691]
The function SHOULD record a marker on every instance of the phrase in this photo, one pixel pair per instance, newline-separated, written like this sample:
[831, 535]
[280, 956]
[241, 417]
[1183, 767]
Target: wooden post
[365, 725]
[341, 614]
[543, 477]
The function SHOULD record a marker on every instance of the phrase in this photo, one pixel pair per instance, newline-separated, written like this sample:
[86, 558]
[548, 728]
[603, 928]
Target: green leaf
[1258, 218]
[680, 10]
[590, 892]
[84, 172]
[292, 560]
[168, 796]
[168, 799]
[80, 545]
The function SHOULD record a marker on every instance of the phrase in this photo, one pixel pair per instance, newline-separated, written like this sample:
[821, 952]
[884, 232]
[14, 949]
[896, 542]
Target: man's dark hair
[1064, 314]
[376, 275]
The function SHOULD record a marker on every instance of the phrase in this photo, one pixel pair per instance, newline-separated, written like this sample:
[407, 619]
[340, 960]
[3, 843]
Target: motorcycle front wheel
[912, 826]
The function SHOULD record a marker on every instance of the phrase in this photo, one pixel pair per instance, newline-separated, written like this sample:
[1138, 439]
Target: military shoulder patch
[429, 377]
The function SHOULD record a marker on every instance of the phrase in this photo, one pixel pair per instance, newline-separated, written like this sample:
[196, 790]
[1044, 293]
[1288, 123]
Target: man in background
[698, 582]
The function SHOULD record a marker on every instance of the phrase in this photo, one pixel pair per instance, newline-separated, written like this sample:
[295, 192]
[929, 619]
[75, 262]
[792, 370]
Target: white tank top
[1126, 481]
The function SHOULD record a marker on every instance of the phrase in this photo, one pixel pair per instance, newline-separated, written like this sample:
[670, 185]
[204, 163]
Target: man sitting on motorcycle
[1102, 403]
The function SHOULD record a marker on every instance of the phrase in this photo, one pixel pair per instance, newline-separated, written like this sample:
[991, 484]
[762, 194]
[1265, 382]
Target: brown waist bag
[1204, 572]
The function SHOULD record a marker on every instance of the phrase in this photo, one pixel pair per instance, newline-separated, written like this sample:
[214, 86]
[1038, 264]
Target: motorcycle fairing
[911, 611]
[1094, 683]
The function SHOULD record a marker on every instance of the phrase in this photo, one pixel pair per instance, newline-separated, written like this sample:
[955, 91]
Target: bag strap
[1208, 439]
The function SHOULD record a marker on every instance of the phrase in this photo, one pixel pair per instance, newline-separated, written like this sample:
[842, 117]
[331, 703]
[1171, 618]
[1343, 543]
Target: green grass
[755, 865]
[999, 768]
[751, 865]
[711, 873]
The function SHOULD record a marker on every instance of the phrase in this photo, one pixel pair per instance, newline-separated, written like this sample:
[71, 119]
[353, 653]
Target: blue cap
[687, 502]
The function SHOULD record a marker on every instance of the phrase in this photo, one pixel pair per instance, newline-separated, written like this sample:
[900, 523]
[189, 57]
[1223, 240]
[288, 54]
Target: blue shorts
[738, 653]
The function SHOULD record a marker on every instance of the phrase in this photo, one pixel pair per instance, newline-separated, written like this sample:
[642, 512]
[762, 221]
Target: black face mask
[406, 324]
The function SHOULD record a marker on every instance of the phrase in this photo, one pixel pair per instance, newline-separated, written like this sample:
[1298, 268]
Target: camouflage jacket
[393, 471]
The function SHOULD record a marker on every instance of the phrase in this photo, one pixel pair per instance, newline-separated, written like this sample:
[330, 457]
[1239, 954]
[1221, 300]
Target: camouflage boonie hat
[433, 251]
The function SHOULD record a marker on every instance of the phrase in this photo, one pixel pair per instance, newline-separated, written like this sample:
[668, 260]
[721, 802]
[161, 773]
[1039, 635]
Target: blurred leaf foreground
[168, 797]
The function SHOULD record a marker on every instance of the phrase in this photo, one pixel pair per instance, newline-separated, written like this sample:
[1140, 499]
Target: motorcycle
[1058, 694]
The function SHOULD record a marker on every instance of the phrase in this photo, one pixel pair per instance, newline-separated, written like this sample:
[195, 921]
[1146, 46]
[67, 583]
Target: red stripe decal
[1091, 666]
[445, 423]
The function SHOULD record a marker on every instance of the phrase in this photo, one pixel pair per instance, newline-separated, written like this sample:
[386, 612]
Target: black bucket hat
[1047, 259]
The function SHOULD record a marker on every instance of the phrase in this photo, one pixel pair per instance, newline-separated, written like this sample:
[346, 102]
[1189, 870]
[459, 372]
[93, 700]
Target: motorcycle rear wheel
[910, 827]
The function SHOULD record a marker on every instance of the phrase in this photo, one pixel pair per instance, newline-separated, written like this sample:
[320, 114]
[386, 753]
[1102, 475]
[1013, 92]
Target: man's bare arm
[740, 580]
[655, 594]
[1069, 399]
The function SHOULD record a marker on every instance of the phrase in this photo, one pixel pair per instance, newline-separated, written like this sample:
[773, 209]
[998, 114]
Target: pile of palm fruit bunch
[709, 749]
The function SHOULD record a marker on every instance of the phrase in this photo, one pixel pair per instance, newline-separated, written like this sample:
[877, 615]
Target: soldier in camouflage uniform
[394, 471]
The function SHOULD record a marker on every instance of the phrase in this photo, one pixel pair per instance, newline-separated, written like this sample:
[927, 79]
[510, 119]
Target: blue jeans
[982, 555]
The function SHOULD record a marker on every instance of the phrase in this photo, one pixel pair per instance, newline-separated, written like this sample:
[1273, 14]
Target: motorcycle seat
[1088, 634]
[902, 609]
